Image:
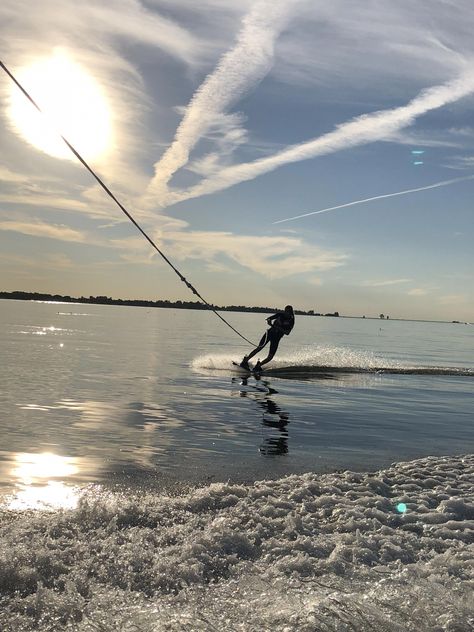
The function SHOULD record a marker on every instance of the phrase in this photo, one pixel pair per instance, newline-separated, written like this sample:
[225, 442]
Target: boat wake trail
[332, 361]
[311, 370]
[389, 550]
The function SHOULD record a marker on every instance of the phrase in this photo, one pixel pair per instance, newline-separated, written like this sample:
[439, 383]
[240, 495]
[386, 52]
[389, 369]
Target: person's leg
[274, 342]
[261, 344]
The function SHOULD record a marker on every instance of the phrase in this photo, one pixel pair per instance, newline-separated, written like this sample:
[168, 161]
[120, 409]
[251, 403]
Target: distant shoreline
[105, 300]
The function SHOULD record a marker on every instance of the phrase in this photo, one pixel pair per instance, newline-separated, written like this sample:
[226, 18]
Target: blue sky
[214, 120]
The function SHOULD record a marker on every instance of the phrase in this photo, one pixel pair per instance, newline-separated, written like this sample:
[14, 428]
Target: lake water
[144, 484]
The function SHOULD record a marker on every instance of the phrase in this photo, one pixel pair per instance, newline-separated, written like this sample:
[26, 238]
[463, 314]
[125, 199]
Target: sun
[73, 104]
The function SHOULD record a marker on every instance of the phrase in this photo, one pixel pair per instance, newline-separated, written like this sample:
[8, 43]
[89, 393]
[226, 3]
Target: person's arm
[277, 324]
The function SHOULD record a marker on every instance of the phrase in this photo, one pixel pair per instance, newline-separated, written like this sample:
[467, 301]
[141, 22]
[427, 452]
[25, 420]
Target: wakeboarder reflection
[272, 416]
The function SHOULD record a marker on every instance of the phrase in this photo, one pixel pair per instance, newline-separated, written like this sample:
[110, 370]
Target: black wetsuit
[281, 325]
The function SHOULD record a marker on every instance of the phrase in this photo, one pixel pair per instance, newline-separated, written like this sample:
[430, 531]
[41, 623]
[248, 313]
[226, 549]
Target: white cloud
[386, 282]
[341, 42]
[240, 69]
[7, 175]
[67, 22]
[419, 291]
[430, 139]
[461, 162]
[49, 201]
[227, 134]
[273, 257]
[361, 130]
[42, 229]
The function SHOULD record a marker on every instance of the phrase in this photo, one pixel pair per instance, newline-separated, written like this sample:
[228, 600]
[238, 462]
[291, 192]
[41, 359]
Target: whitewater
[326, 360]
[390, 550]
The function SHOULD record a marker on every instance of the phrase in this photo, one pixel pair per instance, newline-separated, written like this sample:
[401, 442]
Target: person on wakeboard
[281, 325]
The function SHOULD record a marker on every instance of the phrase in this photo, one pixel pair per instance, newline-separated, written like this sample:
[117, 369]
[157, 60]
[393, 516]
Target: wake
[327, 360]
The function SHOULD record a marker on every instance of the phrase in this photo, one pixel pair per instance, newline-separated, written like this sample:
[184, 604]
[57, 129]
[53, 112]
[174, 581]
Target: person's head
[289, 309]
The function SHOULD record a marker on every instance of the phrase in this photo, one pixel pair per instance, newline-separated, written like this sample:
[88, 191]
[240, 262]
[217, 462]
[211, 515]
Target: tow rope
[122, 208]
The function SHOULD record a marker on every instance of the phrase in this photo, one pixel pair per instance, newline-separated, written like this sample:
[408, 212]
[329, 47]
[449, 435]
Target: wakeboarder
[281, 325]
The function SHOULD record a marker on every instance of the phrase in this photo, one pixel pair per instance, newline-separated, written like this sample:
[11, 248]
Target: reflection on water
[114, 394]
[34, 489]
[30, 468]
[36, 330]
[273, 416]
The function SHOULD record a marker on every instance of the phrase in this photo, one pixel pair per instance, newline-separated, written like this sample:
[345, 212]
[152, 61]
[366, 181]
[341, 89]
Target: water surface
[130, 456]
[113, 394]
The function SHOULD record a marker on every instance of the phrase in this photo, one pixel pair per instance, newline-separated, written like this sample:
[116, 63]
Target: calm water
[92, 393]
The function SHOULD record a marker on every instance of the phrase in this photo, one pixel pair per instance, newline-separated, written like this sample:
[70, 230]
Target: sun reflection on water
[35, 489]
[33, 467]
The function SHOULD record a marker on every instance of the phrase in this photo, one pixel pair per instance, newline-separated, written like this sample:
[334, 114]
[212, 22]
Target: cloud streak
[443, 183]
[67, 22]
[42, 229]
[386, 283]
[272, 256]
[361, 130]
[236, 73]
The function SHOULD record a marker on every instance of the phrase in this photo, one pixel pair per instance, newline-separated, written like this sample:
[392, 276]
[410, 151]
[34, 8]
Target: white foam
[312, 361]
[213, 361]
[311, 552]
[334, 356]
[339, 357]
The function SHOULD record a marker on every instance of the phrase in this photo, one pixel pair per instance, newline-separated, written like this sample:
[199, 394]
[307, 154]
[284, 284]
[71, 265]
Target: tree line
[107, 300]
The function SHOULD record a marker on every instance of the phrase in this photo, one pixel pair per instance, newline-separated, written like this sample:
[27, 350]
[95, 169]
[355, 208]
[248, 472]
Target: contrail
[443, 183]
[358, 131]
[239, 69]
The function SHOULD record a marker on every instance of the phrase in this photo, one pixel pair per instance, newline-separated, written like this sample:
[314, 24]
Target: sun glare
[35, 489]
[31, 468]
[73, 104]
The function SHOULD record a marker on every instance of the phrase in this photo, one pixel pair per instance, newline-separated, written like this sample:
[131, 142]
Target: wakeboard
[249, 371]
